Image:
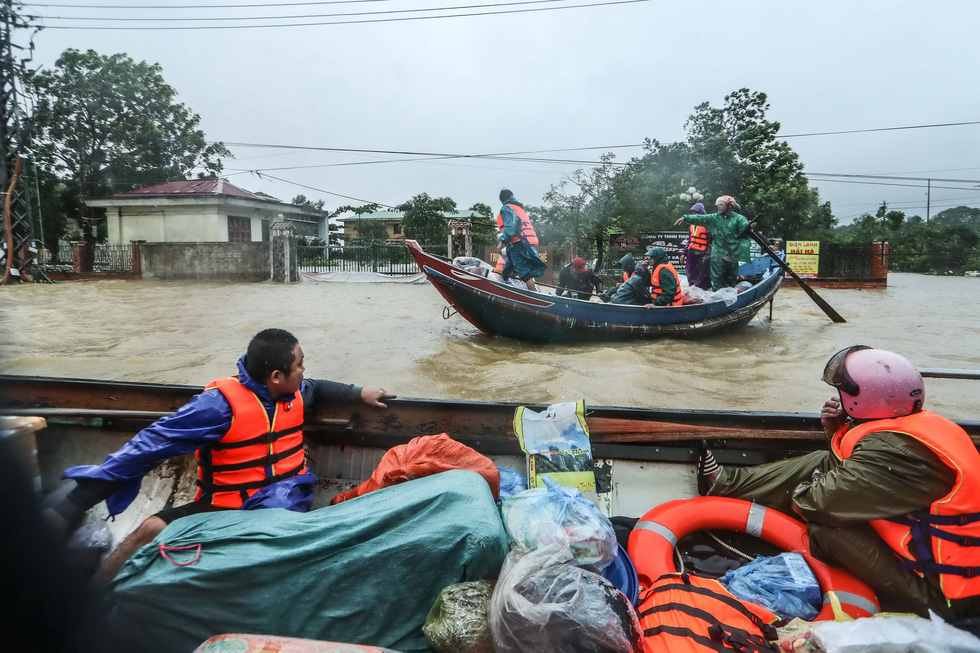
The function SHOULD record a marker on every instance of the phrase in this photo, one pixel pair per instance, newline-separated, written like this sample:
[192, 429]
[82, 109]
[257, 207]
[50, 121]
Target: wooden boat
[502, 310]
[643, 456]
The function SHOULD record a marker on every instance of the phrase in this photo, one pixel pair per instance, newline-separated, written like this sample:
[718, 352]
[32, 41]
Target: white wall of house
[181, 221]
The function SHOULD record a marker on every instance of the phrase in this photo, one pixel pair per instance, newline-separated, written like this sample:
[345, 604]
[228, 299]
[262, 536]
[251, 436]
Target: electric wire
[351, 22]
[296, 16]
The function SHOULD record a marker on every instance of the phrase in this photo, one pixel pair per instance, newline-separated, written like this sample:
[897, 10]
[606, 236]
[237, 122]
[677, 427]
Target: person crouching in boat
[729, 240]
[635, 291]
[697, 252]
[896, 500]
[578, 281]
[244, 463]
[518, 236]
[665, 285]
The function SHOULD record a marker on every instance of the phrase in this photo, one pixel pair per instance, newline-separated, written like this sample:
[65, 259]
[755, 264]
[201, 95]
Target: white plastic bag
[727, 295]
[893, 635]
[542, 603]
[560, 515]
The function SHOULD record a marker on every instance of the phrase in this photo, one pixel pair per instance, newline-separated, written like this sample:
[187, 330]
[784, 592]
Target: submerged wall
[206, 261]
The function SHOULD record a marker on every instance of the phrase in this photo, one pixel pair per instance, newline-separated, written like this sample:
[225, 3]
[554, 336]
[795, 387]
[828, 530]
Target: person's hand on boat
[373, 394]
[649, 306]
[832, 416]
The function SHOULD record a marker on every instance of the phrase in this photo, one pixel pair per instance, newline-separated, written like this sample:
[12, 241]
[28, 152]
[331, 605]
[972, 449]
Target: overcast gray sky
[572, 77]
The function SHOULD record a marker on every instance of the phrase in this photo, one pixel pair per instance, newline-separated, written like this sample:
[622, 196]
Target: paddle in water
[818, 300]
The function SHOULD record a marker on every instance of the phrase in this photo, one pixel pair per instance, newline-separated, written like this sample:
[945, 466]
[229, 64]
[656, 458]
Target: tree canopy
[106, 124]
[425, 218]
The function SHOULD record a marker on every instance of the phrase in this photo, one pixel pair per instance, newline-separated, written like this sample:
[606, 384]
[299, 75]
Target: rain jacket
[205, 419]
[725, 230]
[635, 290]
[887, 474]
[522, 257]
[578, 287]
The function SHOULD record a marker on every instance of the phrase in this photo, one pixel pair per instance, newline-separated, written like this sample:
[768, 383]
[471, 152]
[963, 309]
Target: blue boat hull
[503, 310]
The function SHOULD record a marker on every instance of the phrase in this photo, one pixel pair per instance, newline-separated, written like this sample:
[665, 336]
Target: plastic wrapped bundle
[542, 603]
[557, 514]
[783, 584]
[459, 621]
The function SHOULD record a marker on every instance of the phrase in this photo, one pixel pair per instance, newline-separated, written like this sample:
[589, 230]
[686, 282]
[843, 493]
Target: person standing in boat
[896, 500]
[518, 236]
[578, 281]
[729, 240]
[697, 252]
[246, 434]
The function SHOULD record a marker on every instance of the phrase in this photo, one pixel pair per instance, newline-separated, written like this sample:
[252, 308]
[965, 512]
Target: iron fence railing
[376, 257]
[113, 258]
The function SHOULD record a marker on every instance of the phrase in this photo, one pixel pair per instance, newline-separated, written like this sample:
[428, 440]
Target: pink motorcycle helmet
[874, 383]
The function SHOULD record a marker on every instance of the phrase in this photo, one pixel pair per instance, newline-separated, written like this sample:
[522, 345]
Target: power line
[356, 22]
[320, 190]
[955, 181]
[881, 129]
[240, 6]
[340, 15]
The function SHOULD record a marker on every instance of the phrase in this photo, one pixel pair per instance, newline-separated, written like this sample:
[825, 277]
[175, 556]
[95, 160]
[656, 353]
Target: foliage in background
[105, 124]
[483, 228]
[425, 218]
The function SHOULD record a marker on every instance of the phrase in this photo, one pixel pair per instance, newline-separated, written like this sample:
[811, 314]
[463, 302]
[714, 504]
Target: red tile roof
[192, 188]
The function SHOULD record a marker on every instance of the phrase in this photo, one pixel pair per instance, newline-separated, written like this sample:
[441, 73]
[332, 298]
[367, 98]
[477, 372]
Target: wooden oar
[818, 300]
[949, 374]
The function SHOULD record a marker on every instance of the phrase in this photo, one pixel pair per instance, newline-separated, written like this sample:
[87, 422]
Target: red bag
[425, 456]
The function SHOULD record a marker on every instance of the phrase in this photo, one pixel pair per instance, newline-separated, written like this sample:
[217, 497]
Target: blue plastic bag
[511, 483]
[784, 585]
[556, 514]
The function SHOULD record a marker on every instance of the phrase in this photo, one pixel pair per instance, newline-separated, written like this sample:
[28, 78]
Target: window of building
[398, 228]
[265, 231]
[239, 229]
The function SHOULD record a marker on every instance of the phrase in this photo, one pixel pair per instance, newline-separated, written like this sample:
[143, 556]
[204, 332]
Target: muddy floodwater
[394, 335]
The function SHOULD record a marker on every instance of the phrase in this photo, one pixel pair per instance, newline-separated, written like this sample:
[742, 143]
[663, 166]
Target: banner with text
[803, 256]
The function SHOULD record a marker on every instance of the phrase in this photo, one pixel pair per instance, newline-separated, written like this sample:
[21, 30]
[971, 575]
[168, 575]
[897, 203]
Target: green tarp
[365, 571]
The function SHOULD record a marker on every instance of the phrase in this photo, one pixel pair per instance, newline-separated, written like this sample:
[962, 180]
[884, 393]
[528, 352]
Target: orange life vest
[501, 261]
[253, 453]
[656, 290]
[689, 614]
[626, 275]
[699, 238]
[947, 535]
[527, 229]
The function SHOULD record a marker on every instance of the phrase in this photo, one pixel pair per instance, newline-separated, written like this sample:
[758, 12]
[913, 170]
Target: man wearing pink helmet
[896, 500]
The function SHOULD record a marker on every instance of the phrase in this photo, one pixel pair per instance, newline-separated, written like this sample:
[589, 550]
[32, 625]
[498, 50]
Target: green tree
[425, 219]
[483, 228]
[106, 124]
[735, 151]
[371, 230]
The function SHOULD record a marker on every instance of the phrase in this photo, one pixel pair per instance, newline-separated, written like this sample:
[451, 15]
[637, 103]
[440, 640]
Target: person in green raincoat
[729, 242]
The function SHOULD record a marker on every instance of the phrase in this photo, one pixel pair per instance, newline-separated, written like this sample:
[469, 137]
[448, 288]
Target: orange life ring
[652, 542]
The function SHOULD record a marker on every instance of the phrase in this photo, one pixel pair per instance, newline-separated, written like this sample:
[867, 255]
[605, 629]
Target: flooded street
[394, 335]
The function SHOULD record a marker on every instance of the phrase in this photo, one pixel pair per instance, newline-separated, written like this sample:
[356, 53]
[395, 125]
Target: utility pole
[928, 198]
[18, 252]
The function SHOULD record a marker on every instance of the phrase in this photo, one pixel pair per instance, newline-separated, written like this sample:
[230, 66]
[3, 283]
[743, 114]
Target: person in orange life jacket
[896, 500]
[635, 291]
[518, 236]
[577, 281]
[628, 263]
[664, 282]
[697, 252]
[265, 402]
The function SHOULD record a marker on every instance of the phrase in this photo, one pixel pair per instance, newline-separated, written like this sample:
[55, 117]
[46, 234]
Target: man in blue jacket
[270, 372]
